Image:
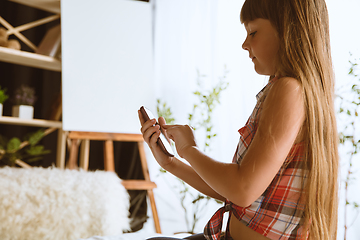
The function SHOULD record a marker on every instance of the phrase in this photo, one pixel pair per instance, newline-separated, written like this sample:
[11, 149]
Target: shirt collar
[271, 81]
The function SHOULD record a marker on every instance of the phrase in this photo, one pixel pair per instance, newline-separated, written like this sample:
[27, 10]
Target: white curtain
[205, 35]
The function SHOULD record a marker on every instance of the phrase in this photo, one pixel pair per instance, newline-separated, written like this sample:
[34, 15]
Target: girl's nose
[245, 45]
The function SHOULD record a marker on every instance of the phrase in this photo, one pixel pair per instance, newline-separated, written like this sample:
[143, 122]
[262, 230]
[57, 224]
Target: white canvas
[107, 64]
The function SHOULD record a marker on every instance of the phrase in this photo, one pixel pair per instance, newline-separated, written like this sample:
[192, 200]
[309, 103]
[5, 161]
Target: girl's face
[262, 42]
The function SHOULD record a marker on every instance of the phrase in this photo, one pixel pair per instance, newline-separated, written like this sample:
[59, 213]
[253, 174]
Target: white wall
[345, 38]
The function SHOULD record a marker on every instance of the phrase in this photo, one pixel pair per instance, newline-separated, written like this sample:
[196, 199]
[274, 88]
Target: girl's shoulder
[284, 93]
[286, 82]
[285, 87]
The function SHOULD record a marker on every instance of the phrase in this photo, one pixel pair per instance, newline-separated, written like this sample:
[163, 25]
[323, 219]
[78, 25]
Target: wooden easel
[76, 137]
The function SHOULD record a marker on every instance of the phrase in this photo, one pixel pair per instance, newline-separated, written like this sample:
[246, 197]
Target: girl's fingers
[144, 122]
[151, 133]
[162, 121]
[148, 128]
[148, 133]
[154, 138]
[167, 130]
[147, 125]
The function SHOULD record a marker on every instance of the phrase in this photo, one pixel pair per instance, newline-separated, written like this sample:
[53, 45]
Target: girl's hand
[182, 135]
[151, 134]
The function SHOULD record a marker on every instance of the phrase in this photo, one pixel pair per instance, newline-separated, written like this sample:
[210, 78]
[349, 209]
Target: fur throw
[49, 203]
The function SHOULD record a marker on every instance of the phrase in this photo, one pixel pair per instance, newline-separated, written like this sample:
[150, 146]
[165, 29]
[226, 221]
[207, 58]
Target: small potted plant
[3, 98]
[24, 99]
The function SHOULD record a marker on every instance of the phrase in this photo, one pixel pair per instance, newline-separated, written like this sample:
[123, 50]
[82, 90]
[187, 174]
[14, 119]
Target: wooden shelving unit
[46, 5]
[31, 123]
[60, 157]
[35, 60]
[29, 59]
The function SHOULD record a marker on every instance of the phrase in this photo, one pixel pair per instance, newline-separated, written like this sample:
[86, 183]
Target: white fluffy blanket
[50, 203]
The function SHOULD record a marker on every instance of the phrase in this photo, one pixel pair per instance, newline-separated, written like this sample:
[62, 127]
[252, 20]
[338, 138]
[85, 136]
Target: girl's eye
[253, 33]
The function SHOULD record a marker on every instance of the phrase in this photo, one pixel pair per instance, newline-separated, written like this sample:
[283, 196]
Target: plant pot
[23, 111]
[1, 109]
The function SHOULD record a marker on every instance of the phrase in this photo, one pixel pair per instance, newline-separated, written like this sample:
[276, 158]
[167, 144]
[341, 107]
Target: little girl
[282, 182]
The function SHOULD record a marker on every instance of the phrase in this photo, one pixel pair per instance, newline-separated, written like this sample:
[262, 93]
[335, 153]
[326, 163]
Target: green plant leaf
[200, 197]
[34, 159]
[190, 117]
[37, 150]
[35, 137]
[3, 95]
[13, 144]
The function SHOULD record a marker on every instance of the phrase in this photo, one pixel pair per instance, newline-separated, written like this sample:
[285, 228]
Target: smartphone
[162, 141]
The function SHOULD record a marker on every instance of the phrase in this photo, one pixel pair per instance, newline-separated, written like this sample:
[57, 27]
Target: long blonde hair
[304, 54]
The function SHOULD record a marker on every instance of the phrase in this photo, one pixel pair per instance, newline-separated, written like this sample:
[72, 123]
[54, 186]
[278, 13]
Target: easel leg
[72, 163]
[61, 149]
[84, 154]
[109, 164]
[154, 211]
[150, 191]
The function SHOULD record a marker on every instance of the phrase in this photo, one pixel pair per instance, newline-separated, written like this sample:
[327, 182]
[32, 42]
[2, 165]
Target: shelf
[46, 5]
[31, 122]
[29, 59]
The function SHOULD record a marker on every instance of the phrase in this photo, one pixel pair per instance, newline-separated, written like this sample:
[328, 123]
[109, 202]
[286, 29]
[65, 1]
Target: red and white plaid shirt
[277, 213]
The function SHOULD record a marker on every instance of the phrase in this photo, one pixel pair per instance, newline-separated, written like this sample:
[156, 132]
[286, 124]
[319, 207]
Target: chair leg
[109, 156]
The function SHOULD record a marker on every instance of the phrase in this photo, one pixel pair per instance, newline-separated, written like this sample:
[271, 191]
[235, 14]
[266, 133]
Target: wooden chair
[76, 137]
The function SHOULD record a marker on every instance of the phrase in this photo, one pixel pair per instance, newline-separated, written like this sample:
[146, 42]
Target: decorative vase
[23, 111]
